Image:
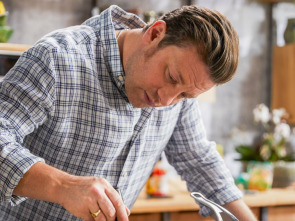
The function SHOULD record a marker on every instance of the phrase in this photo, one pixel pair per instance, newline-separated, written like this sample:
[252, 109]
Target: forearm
[42, 182]
[240, 210]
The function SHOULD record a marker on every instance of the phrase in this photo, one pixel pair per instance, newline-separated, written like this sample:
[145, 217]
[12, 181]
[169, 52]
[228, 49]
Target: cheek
[148, 75]
[143, 72]
[153, 74]
[153, 80]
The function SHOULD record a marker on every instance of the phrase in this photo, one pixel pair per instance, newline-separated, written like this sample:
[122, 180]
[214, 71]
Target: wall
[229, 120]
[31, 19]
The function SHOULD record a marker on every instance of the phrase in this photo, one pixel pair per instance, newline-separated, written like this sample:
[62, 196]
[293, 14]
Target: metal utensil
[119, 191]
[217, 209]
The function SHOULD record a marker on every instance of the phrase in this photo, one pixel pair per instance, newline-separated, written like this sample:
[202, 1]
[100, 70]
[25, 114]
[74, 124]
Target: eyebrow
[182, 82]
[180, 77]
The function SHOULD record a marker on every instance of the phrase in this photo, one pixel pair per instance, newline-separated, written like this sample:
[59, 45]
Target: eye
[174, 81]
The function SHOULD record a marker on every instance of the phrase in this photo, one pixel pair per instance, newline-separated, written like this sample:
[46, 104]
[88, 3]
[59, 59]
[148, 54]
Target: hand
[82, 196]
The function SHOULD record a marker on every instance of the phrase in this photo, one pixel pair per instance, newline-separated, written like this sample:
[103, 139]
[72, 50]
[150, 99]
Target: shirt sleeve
[26, 98]
[197, 160]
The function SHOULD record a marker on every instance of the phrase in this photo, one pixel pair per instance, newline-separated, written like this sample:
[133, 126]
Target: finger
[118, 203]
[94, 209]
[100, 217]
[91, 217]
[95, 213]
[127, 211]
[107, 207]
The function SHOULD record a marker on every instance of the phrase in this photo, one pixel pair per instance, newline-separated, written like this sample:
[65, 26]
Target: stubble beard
[133, 81]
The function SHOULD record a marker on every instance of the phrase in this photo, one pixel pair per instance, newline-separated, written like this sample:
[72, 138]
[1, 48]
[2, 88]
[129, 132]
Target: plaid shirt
[64, 103]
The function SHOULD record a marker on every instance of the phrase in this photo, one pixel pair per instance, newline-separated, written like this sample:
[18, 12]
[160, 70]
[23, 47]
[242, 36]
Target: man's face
[161, 77]
[156, 78]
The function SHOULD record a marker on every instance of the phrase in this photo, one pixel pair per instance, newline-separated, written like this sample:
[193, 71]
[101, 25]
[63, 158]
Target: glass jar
[260, 175]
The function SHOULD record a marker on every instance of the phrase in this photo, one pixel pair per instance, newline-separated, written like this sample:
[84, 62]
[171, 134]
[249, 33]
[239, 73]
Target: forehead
[189, 58]
[191, 68]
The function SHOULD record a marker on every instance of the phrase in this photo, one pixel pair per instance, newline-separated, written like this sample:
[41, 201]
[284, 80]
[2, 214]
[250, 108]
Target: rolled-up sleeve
[197, 161]
[26, 99]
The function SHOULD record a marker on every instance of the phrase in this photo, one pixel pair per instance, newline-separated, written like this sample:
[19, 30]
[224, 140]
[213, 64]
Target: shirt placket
[132, 156]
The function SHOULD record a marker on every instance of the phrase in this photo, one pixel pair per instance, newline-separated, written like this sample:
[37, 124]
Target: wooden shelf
[14, 47]
[283, 80]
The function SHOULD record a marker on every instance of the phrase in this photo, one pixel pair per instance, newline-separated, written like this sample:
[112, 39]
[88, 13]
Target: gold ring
[94, 215]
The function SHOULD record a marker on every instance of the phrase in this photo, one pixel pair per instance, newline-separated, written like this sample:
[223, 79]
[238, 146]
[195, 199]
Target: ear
[155, 33]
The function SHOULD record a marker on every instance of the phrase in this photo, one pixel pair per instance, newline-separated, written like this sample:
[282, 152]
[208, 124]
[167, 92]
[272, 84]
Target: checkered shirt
[64, 103]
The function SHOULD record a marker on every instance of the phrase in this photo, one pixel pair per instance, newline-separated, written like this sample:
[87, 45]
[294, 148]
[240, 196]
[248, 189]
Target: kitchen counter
[271, 205]
[182, 201]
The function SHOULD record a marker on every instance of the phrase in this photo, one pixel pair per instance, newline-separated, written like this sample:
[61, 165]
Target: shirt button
[120, 78]
[125, 174]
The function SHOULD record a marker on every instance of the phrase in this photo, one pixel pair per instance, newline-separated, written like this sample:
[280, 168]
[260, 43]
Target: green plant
[5, 31]
[272, 144]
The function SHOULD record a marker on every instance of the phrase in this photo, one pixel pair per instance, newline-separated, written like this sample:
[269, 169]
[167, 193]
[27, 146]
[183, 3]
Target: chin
[138, 105]
[135, 102]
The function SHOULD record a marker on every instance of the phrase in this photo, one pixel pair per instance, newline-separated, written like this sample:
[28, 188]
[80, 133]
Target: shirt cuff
[12, 169]
[222, 197]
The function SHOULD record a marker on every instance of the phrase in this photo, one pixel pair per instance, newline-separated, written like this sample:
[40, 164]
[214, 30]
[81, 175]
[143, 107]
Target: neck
[128, 42]
[120, 35]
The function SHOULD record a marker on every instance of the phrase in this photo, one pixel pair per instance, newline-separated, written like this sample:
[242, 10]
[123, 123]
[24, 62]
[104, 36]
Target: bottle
[157, 185]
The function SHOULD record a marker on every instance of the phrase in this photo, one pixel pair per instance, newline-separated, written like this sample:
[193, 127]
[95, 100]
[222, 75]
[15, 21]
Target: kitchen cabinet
[283, 79]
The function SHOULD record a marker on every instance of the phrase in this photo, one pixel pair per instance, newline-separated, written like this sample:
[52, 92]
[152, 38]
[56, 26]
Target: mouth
[148, 101]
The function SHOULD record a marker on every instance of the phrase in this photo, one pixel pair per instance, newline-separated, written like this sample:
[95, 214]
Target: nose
[168, 96]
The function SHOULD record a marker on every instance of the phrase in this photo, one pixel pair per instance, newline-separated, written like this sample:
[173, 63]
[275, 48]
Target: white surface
[208, 96]
[5, 52]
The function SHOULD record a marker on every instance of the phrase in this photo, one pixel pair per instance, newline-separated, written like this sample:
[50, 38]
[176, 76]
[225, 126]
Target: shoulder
[69, 37]
[75, 40]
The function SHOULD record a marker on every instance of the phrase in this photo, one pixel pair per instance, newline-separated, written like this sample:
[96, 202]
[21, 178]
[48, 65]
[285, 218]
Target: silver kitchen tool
[217, 209]
[119, 191]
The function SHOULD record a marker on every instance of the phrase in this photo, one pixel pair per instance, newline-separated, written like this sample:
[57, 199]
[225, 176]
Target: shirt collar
[115, 18]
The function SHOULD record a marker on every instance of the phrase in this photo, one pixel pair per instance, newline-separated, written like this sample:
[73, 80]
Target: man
[88, 110]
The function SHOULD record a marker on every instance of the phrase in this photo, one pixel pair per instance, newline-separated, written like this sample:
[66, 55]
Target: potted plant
[5, 31]
[271, 147]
